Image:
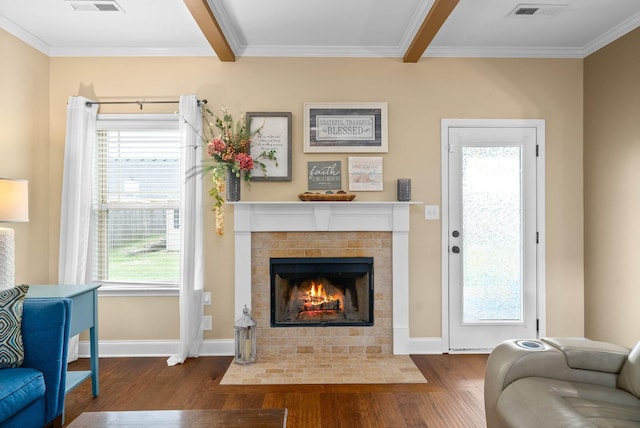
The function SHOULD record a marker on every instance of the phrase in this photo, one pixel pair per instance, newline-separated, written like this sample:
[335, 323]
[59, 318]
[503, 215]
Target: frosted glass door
[492, 221]
[492, 236]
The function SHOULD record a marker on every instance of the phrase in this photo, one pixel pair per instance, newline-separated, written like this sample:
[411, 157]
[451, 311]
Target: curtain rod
[139, 103]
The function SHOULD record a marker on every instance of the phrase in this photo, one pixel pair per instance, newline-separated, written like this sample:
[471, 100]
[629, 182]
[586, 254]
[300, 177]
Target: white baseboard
[217, 347]
[153, 348]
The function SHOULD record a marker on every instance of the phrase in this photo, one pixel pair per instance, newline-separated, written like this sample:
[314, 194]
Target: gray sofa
[562, 382]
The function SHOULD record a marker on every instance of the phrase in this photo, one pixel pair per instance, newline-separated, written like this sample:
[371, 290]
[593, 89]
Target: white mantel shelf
[294, 216]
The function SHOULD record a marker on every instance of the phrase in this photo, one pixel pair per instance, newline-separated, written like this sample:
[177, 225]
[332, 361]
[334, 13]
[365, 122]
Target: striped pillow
[11, 348]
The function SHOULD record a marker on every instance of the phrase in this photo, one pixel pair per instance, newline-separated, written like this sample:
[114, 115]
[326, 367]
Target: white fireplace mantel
[328, 217]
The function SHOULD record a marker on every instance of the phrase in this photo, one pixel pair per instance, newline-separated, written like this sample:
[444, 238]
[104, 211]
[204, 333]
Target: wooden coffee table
[254, 418]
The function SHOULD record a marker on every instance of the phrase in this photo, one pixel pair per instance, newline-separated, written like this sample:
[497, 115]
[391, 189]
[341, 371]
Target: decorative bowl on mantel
[326, 197]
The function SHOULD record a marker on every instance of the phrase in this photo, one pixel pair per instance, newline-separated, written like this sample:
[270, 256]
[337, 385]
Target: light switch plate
[432, 212]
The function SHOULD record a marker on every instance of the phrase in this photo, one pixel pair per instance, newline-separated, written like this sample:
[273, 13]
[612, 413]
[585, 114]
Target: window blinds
[137, 201]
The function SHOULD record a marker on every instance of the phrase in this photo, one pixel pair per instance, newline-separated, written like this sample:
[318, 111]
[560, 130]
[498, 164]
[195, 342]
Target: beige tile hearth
[324, 369]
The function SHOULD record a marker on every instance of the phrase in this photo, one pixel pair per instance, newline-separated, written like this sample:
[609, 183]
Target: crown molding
[321, 51]
[615, 33]
[501, 52]
[225, 25]
[27, 37]
[414, 25]
[99, 51]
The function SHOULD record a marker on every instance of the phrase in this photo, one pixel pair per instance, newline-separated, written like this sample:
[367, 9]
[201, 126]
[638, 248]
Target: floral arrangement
[229, 149]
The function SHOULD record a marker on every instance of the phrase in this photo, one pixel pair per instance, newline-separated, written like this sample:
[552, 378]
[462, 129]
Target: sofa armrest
[511, 361]
[45, 335]
[589, 354]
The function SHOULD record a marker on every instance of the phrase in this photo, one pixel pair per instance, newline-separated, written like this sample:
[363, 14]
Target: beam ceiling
[437, 15]
[211, 29]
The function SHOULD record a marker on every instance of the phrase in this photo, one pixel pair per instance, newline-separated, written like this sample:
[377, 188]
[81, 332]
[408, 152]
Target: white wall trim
[153, 348]
[217, 347]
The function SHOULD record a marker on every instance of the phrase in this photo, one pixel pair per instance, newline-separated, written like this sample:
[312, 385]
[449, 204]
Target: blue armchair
[33, 395]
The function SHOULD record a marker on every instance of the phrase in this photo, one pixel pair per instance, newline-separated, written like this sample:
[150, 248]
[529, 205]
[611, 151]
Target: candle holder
[404, 189]
[245, 336]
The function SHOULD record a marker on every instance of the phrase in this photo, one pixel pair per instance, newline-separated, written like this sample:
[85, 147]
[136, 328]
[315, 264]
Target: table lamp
[14, 207]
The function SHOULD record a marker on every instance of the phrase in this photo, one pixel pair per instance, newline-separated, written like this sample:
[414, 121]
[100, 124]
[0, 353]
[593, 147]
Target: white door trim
[539, 124]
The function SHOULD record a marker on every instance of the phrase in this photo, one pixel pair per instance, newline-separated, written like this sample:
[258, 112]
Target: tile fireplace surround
[326, 229]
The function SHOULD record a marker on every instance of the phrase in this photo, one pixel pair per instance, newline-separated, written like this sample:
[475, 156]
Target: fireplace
[321, 291]
[265, 230]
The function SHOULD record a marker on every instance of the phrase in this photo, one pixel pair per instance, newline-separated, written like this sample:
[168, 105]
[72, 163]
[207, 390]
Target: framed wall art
[324, 175]
[275, 134]
[345, 128]
[365, 173]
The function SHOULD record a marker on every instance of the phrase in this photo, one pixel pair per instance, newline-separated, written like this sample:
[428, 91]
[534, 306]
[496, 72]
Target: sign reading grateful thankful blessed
[356, 127]
[345, 128]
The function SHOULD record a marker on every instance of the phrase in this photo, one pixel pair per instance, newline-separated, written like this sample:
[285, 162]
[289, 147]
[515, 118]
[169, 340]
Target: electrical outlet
[206, 298]
[207, 322]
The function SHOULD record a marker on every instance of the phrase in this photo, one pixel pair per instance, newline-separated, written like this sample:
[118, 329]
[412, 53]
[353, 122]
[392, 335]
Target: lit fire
[317, 299]
[318, 295]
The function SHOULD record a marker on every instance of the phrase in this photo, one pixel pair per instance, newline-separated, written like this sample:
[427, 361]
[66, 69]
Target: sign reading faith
[324, 175]
[355, 127]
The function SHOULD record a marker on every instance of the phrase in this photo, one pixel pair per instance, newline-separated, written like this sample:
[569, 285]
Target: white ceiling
[321, 28]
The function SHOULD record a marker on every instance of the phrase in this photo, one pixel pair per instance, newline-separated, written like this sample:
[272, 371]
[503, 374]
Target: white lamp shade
[14, 200]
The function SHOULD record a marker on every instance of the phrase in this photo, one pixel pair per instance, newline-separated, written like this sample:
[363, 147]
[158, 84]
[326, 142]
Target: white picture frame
[359, 127]
[365, 174]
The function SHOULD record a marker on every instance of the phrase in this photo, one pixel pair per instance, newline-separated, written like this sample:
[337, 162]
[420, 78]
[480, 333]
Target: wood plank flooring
[453, 396]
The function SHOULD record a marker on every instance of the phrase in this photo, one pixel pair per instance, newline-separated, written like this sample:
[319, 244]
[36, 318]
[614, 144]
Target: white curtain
[75, 216]
[191, 263]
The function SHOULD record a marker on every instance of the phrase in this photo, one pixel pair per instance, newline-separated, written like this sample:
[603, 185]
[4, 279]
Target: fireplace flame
[317, 291]
[317, 297]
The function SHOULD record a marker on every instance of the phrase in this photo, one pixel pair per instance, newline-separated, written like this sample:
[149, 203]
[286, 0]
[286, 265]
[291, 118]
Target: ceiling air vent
[526, 11]
[95, 5]
[547, 10]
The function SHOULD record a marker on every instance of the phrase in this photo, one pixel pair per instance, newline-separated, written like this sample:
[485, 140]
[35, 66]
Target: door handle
[455, 249]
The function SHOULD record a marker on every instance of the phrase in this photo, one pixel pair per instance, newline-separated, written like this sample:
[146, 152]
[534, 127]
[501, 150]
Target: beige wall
[24, 149]
[418, 95]
[612, 198]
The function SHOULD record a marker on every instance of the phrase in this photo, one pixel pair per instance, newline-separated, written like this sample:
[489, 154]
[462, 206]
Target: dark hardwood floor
[453, 396]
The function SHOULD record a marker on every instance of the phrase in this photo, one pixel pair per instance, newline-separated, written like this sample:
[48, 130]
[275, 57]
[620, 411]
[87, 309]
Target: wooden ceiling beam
[209, 26]
[437, 15]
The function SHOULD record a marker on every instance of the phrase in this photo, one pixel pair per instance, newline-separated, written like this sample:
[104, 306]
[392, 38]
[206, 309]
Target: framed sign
[275, 134]
[324, 175]
[365, 173]
[345, 128]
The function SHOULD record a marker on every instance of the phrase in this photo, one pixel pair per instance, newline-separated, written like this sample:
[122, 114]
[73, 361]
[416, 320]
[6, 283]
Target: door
[492, 235]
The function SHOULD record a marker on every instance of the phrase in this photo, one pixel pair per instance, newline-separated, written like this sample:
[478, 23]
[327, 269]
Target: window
[136, 202]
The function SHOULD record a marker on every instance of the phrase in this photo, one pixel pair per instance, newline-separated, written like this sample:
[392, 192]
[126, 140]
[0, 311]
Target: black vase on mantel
[404, 189]
[232, 184]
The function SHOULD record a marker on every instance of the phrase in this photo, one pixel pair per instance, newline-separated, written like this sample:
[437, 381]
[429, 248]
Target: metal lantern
[245, 338]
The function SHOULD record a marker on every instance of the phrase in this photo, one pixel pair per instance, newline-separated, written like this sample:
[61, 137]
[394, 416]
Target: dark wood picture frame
[275, 134]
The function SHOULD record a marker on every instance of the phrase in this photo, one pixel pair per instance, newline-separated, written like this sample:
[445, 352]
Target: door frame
[539, 125]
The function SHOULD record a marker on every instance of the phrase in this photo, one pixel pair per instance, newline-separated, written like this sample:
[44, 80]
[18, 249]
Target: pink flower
[245, 161]
[219, 145]
[216, 146]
